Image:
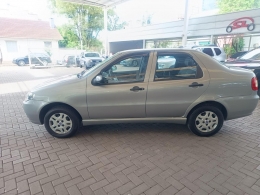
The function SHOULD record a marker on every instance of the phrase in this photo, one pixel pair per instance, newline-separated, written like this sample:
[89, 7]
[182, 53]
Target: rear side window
[176, 67]
[217, 51]
[208, 51]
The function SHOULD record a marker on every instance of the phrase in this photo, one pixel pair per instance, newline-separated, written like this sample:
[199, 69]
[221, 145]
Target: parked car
[70, 60]
[250, 60]
[90, 59]
[36, 58]
[198, 91]
[134, 62]
[213, 51]
[235, 56]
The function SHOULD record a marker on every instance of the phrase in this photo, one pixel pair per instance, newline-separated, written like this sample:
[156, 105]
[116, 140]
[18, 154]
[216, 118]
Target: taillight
[254, 84]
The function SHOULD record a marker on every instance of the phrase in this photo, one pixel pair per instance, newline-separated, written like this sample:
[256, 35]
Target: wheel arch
[47, 107]
[210, 103]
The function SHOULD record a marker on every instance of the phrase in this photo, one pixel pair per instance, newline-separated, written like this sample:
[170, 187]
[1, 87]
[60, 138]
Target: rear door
[173, 88]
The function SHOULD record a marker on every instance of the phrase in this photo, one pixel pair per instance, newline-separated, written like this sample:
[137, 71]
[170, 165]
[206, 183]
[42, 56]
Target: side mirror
[98, 80]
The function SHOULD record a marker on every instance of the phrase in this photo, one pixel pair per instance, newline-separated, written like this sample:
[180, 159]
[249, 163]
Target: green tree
[227, 6]
[85, 24]
[114, 22]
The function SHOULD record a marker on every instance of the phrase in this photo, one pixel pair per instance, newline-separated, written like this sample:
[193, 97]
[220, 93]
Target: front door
[123, 93]
[176, 81]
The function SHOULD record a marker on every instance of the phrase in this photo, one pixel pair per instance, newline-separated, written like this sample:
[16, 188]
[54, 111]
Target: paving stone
[121, 158]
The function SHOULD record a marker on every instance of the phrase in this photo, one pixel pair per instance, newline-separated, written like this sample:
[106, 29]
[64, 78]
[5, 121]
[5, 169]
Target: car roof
[158, 49]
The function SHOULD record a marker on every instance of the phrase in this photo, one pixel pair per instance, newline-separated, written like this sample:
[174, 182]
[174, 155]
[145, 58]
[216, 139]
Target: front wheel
[61, 122]
[206, 120]
[21, 63]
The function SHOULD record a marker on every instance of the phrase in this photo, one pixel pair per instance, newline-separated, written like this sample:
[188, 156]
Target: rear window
[91, 55]
[208, 51]
[217, 51]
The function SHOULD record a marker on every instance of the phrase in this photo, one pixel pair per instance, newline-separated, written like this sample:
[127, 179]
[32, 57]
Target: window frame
[199, 73]
[148, 54]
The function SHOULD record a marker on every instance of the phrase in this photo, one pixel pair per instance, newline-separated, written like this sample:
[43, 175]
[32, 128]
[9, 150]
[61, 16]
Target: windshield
[91, 55]
[251, 54]
[85, 73]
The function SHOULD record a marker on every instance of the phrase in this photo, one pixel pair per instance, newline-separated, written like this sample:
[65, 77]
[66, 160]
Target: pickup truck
[89, 59]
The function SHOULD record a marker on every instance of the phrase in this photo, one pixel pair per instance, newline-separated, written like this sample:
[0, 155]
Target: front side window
[208, 51]
[126, 70]
[217, 51]
[176, 67]
[251, 54]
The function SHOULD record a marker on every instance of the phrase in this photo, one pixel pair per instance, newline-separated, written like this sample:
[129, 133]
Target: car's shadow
[140, 128]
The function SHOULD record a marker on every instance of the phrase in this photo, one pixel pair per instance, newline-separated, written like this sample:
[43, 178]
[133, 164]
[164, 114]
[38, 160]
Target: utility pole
[186, 24]
[80, 33]
[105, 31]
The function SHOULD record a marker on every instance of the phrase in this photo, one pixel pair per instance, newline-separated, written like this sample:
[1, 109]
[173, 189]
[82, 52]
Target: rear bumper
[239, 106]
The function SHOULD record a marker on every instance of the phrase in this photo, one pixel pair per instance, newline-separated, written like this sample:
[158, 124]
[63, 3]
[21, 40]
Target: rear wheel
[61, 122]
[44, 63]
[206, 120]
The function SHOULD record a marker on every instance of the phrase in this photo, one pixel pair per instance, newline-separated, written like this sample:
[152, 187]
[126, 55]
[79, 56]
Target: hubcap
[206, 121]
[60, 123]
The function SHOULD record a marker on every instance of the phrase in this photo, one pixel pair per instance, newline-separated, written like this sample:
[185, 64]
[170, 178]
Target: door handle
[195, 84]
[136, 88]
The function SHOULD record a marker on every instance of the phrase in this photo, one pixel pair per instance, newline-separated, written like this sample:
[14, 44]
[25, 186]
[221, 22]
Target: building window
[48, 44]
[11, 46]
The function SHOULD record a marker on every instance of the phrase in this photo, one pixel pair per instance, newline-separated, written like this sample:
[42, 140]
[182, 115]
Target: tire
[229, 29]
[21, 63]
[200, 126]
[251, 27]
[69, 115]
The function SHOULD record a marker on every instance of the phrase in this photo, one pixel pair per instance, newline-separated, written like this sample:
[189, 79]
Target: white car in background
[213, 51]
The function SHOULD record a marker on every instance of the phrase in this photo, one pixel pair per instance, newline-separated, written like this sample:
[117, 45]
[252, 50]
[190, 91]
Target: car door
[172, 89]
[34, 59]
[123, 92]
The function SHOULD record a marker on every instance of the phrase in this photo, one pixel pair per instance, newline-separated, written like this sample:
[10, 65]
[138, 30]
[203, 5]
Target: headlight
[30, 96]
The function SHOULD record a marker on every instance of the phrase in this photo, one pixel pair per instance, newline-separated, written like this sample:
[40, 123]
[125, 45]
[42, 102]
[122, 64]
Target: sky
[160, 10]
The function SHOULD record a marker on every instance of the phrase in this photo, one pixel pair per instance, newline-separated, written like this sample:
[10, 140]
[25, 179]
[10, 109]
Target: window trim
[199, 70]
[118, 60]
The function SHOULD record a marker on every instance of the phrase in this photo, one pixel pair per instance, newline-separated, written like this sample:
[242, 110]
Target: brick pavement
[123, 158]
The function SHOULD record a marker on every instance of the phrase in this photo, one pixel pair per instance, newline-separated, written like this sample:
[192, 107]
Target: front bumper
[32, 109]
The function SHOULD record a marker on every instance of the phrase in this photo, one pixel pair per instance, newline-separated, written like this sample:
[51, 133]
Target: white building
[19, 37]
[201, 31]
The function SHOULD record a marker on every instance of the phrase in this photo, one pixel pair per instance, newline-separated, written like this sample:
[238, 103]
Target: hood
[56, 82]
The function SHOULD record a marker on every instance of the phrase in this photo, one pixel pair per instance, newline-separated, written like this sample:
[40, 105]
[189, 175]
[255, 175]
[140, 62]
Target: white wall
[24, 46]
[202, 26]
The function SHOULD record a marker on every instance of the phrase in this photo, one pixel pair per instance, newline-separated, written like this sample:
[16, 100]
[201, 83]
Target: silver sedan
[195, 90]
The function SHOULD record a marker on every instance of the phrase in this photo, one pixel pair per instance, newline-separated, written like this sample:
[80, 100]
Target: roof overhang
[98, 3]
